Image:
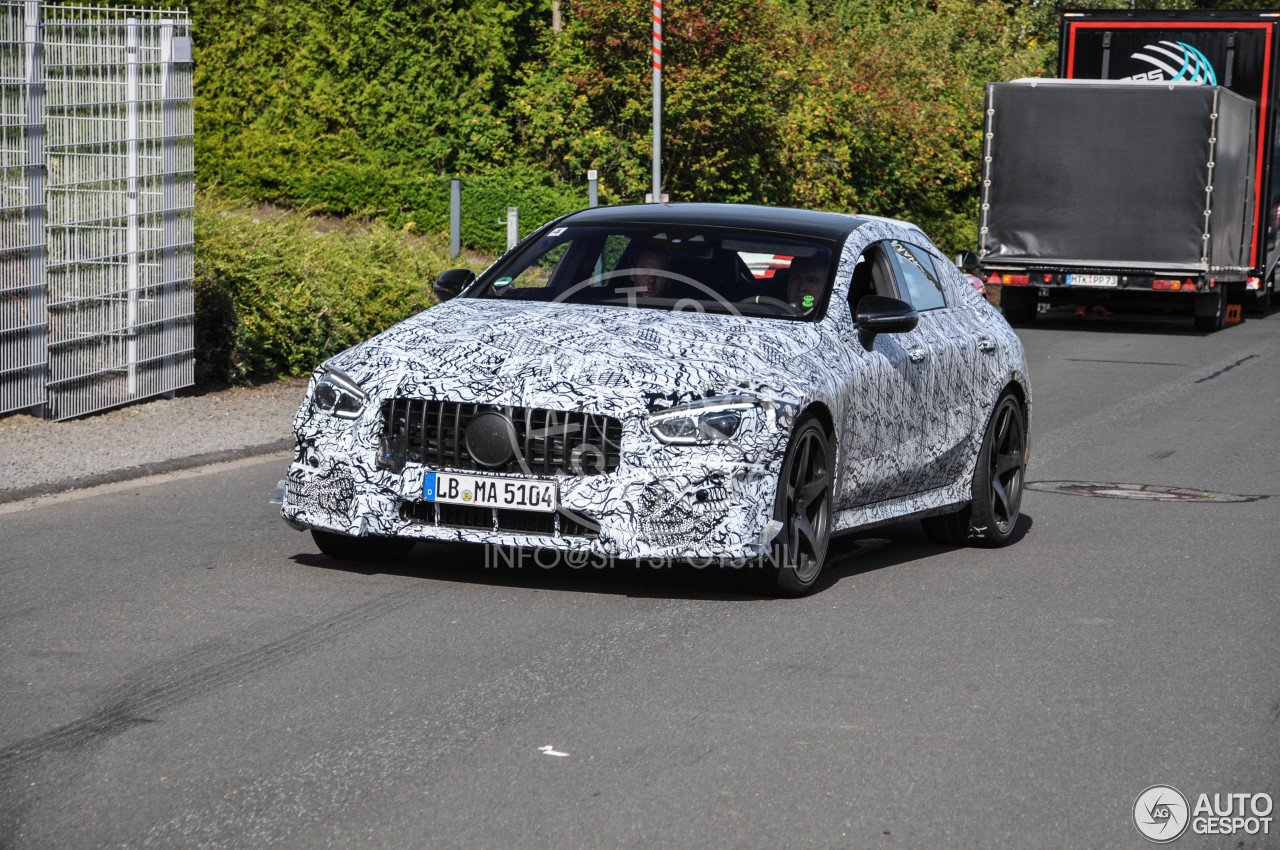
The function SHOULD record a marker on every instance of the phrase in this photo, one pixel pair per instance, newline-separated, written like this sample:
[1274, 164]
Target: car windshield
[669, 268]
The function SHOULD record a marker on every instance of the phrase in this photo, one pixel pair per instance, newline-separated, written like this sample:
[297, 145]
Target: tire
[1258, 303]
[1216, 322]
[803, 506]
[378, 550]
[996, 492]
[948, 529]
[1018, 304]
[1209, 324]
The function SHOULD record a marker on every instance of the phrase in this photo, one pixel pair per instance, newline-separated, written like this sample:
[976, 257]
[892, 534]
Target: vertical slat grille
[550, 442]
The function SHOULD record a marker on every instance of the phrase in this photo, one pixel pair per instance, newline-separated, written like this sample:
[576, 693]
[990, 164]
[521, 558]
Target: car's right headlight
[715, 420]
[338, 395]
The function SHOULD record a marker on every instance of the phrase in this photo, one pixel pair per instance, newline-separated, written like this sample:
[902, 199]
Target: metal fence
[119, 199]
[22, 234]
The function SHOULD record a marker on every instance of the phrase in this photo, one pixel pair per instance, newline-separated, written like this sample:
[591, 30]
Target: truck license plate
[486, 491]
[1107, 280]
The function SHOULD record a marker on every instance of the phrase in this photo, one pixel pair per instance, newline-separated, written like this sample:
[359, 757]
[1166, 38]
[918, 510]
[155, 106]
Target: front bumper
[669, 502]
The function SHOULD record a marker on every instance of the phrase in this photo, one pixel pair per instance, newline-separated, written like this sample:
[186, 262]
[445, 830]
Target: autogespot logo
[1160, 813]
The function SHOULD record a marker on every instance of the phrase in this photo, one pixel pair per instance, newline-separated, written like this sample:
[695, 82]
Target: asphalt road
[180, 669]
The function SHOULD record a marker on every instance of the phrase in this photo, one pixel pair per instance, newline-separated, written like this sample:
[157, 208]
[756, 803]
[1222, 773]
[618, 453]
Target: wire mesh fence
[23, 354]
[120, 197]
[96, 206]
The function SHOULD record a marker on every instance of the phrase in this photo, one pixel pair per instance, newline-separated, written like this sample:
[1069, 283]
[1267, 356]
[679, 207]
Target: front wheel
[803, 507]
[996, 493]
[342, 547]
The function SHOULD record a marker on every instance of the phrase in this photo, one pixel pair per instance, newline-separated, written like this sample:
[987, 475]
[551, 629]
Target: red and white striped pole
[657, 101]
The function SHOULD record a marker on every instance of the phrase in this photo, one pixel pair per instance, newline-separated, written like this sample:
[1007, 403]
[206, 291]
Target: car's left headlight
[338, 395]
[714, 420]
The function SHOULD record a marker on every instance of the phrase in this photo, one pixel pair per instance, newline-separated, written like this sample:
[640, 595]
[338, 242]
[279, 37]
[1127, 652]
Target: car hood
[612, 360]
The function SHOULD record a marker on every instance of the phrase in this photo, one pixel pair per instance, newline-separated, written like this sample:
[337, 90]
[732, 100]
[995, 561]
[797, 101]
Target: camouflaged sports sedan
[683, 382]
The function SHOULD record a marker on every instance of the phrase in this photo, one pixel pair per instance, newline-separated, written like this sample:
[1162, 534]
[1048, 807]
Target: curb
[143, 470]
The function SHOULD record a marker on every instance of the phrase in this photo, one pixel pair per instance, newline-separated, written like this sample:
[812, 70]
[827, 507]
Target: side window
[615, 245]
[872, 275]
[919, 280]
[537, 274]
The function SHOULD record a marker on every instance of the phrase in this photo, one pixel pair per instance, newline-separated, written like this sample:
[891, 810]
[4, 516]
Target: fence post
[133, 88]
[38, 291]
[169, 205]
[455, 218]
[593, 194]
[513, 227]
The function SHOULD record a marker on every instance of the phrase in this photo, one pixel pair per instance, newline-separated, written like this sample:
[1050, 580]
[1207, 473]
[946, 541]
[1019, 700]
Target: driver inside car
[805, 283]
[647, 273]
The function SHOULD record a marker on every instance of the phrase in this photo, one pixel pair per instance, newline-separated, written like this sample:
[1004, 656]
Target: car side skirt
[915, 506]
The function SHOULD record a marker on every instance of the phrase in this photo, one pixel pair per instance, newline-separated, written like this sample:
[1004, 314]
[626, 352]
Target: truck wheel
[1019, 305]
[1257, 304]
[1215, 321]
[1275, 291]
[1208, 324]
[342, 547]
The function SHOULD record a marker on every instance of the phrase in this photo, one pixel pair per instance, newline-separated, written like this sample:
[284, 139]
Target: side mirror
[452, 282]
[967, 262]
[880, 315]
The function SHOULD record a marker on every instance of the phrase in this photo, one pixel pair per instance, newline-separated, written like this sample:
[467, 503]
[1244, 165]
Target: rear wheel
[342, 547]
[996, 493]
[1256, 304]
[1216, 321]
[803, 507]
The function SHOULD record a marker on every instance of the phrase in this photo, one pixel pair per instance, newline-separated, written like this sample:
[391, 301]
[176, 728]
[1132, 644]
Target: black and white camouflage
[906, 434]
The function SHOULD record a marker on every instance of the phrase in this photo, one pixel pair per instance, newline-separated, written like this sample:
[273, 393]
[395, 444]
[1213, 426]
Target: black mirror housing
[452, 282]
[878, 314]
[967, 262]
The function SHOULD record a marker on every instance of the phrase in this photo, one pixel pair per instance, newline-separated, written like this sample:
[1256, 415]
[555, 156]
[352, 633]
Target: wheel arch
[819, 410]
[1017, 384]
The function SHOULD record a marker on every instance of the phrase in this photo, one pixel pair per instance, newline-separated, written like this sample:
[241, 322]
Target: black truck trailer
[1113, 226]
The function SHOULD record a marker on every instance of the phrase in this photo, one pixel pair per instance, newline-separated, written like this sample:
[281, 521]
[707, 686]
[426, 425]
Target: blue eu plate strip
[429, 489]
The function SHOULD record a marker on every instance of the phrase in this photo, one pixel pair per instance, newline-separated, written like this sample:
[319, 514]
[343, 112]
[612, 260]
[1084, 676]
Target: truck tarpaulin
[1117, 175]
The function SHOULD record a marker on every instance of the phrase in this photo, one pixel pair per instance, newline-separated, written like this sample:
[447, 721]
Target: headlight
[710, 421]
[338, 395]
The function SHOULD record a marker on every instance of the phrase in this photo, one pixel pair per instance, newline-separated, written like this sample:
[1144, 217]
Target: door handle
[986, 343]
[917, 353]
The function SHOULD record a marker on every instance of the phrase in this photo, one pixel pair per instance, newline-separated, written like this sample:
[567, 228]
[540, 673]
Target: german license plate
[485, 491]
[1107, 280]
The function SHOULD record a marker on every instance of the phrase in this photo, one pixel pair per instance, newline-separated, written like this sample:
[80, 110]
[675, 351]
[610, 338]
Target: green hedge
[399, 196]
[275, 295]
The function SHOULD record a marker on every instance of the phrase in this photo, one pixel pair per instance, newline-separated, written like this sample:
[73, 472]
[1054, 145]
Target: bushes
[275, 297]
[398, 195]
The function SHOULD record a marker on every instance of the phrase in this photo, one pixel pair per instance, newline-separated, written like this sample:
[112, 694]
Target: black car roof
[822, 225]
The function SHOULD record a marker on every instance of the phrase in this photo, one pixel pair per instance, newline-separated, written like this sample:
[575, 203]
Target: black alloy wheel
[1005, 447]
[996, 494]
[804, 508]
[378, 550]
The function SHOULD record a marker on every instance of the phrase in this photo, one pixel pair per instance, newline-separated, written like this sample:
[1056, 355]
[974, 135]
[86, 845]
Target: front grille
[505, 520]
[548, 442]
